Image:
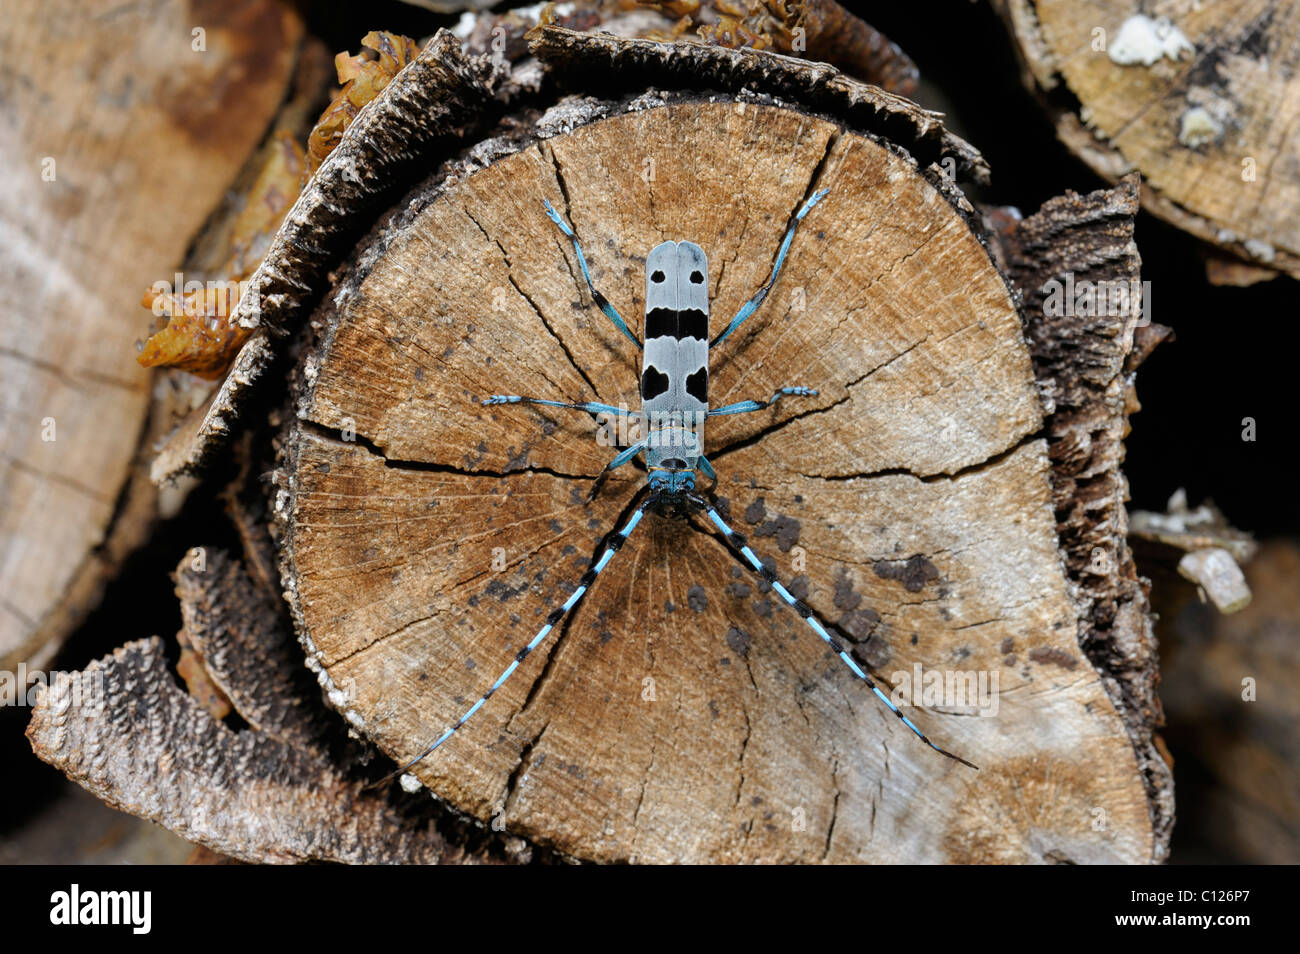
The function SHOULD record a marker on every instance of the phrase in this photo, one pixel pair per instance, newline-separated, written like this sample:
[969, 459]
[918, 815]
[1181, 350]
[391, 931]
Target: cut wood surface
[682, 713]
[111, 162]
[1202, 98]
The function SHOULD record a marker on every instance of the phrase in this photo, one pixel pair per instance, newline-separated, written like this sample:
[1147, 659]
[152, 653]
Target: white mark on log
[1216, 572]
[1198, 127]
[1144, 40]
[1260, 250]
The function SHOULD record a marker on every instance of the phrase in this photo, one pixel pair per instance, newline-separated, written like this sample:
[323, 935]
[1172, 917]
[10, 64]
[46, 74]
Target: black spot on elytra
[697, 277]
[738, 590]
[756, 511]
[799, 587]
[914, 574]
[653, 383]
[697, 599]
[762, 607]
[697, 385]
[692, 323]
[661, 323]
[657, 277]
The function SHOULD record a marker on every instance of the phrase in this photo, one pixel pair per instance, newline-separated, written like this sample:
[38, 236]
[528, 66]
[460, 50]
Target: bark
[271, 792]
[1086, 363]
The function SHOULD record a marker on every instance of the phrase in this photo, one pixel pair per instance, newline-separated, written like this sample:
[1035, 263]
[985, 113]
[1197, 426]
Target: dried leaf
[363, 76]
[198, 335]
[820, 29]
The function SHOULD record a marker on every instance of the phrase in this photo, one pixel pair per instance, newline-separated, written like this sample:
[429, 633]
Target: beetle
[674, 407]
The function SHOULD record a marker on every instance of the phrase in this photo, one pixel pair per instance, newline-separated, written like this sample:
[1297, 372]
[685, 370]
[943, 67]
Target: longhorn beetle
[674, 404]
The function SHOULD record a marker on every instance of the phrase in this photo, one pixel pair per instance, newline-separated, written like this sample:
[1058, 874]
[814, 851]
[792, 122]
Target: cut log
[1202, 99]
[111, 164]
[682, 714]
